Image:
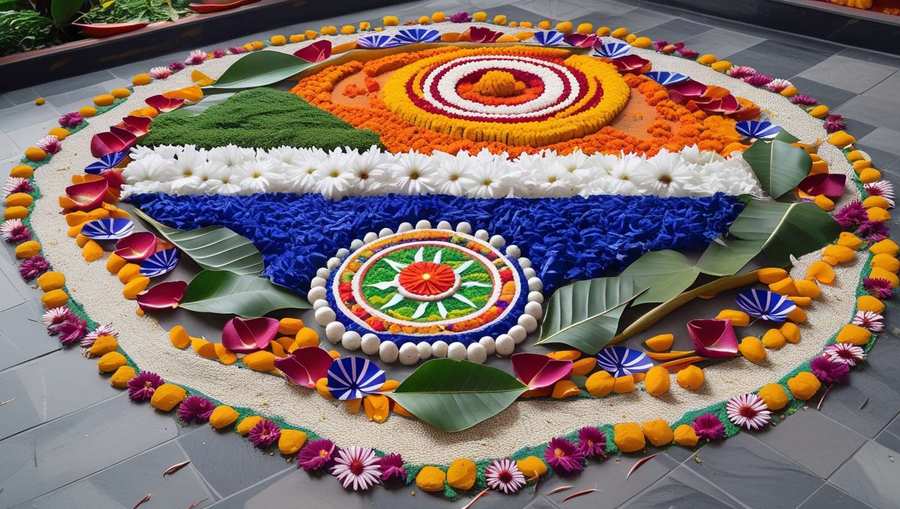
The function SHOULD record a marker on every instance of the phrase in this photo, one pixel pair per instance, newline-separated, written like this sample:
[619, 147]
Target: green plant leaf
[778, 165]
[222, 292]
[212, 247]
[258, 69]
[777, 230]
[585, 314]
[456, 395]
[785, 136]
[62, 11]
[665, 274]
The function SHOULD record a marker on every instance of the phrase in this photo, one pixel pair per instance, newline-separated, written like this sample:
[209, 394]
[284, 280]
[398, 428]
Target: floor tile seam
[31, 359]
[60, 417]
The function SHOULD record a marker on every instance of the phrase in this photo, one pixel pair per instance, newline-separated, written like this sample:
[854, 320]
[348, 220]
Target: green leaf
[785, 136]
[212, 247]
[585, 314]
[62, 11]
[778, 230]
[258, 69]
[779, 166]
[664, 273]
[456, 395]
[221, 292]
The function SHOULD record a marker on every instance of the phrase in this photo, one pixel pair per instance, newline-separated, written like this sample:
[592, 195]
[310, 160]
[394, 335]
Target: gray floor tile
[639, 20]
[848, 73]
[883, 138]
[605, 8]
[886, 89]
[47, 388]
[20, 96]
[880, 158]
[283, 490]
[682, 488]
[889, 440]
[8, 148]
[857, 128]
[228, 462]
[825, 94]
[122, 485]
[894, 426]
[9, 296]
[74, 99]
[24, 115]
[877, 111]
[677, 30]
[68, 449]
[871, 476]
[73, 83]
[829, 497]
[872, 56]
[28, 134]
[723, 43]
[23, 337]
[781, 59]
[553, 9]
[814, 441]
[754, 473]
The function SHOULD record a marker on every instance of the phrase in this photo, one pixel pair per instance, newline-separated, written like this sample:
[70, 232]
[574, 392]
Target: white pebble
[444, 225]
[535, 284]
[342, 253]
[315, 293]
[317, 281]
[536, 297]
[333, 262]
[423, 224]
[384, 232]
[409, 354]
[505, 345]
[439, 348]
[518, 333]
[513, 251]
[529, 272]
[404, 227]
[482, 235]
[456, 351]
[334, 331]
[534, 309]
[529, 322]
[321, 303]
[476, 353]
[424, 348]
[388, 352]
[464, 227]
[370, 237]
[356, 244]
[351, 340]
[323, 272]
[498, 241]
[488, 343]
[324, 316]
[524, 262]
[370, 343]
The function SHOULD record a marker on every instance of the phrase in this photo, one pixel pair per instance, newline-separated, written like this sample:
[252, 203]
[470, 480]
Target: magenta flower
[709, 427]
[873, 231]
[461, 17]
[70, 330]
[803, 100]
[14, 231]
[828, 371]
[741, 71]
[660, 44]
[504, 475]
[55, 316]
[758, 79]
[851, 215]
[564, 456]
[71, 119]
[316, 455]
[33, 267]
[264, 434]
[237, 50]
[17, 185]
[196, 57]
[845, 353]
[687, 53]
[392, 467]
[834, 122]
[882, 188]
[878, 288]
[176, 66]
[195, 409]
[49, 144]
[592, 442]
[357, 467]
[778, 84]
[160, 73]
[219, 53]
[748, 411]
[142, 386]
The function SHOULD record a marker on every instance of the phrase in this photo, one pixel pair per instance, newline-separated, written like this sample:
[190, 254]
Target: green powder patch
[260, 118]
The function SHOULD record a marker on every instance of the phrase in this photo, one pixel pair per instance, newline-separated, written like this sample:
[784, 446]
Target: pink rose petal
[88, 195]
[537, 371]
[688, 88]
[480, 34]
[315, 52]
[829, 184]
[113, 177]
[630, 63]
[162, 296]
[136, 246]
[713, 338]
[109, 142]
[163, 103]
[724, 106]
[305, 365]
[582, 40]
[240, 335]
[137, 126]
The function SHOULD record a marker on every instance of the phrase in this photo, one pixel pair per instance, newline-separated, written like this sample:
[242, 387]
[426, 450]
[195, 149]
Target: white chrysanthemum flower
[301, 174]
[368, 169]
[169, 152]
[151, 168]
[258, 176]
[487, 177]
[414, 173]
[231, 156]
[693, 154]
[665, 175]
[551, 180]
[334, 178]
[451, 169]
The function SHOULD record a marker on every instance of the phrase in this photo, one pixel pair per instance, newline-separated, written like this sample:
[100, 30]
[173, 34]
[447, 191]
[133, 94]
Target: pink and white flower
[50, 144]
[196, 57]
[748, 411]
[845, 353]
[357, 468]
[160, 73]
[870, 320]
[504, 475]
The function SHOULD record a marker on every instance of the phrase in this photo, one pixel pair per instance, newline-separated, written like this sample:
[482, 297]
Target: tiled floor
[68, 440]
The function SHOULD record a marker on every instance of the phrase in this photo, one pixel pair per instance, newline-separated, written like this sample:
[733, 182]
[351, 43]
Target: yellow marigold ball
[886, 262]
[658, 432]
[438, 17]
[390, 21]
[526, 24]
[707, 59]
[295, 38]
[128, 272]
[823, 202]
[842, 254]
[789, 91]
[134, 287]
[40, 101]
[752, 349]
[532, 467]
[774, 396]
[623, 384]
[18, 200]
[499, 19]
[584, 28]
[773, 339]
[804, 385]
[430, 479]
[291, 441]
[257, 45]
[289, 326]
[104, 99]
[15, 212]
[721, 65]
[629, 437]
[306, 337]
[310, 34]
[819, 111]
[115, 263]
[61, 133]
[876, 201]
[141, 79]
[851, 333]
[322, 388]
[657, 381]
[35, 154]
[21, 171]
[603, 31]
[222, 417]
[51, 280]
[850, 240]
[869, 303]
[620, 32]
[179, 337]
[841, 139]
[247, 423]
[771, 275]
[103, 345]
[278, 40]
[685, 436]
[738, 318]
[642, 42]
[87, 111]
[54, 299]
[260, 361]
[167, 396]
[544, 24]
[878, 214]
[630, 38]
[28, 249]
[691, 378]
[121, 377]
[479, 16]
[887, 246]
[91, 251]
[565, 389]
[120, 93]
[582, 367]
[565, 27]
[461, 474]
[791, 332]
[348, 29]
[111, 361]
[599, 384]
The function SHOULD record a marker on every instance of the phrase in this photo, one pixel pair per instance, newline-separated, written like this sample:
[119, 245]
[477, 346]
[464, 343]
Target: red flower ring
[427, 279]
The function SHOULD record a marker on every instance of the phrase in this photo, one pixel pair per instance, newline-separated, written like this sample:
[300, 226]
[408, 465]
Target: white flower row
[550, 100]
[231, 170]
